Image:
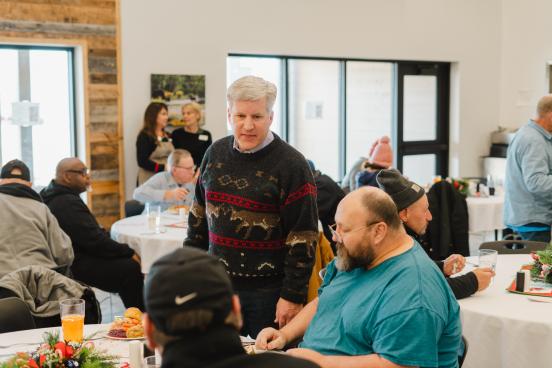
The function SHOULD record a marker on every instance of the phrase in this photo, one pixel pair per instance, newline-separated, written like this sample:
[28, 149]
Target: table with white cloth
[485, 217]
[505, 329]
[145, 242]
[29, 340]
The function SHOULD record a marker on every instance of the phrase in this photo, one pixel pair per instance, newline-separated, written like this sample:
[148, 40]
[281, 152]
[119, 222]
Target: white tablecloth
[485, 213]
[134, 232]
[504, 329]
[29, 340]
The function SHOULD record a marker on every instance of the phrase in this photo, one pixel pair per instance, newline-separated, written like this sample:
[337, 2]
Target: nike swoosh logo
[179, 300]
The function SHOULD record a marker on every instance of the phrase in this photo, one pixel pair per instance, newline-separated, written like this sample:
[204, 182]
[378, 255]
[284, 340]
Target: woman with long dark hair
[153, 144]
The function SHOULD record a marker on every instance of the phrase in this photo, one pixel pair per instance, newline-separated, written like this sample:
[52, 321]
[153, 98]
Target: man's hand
[136, 258]
[175, 195]
[270, 338]
[308, 354]
[453, 264]
[285, 311]
[484, 276]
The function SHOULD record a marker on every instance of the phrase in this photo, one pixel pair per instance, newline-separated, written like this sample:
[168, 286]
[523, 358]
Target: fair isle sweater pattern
[257, 213]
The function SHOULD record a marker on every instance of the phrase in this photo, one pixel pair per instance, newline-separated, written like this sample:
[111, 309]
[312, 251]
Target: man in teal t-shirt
[383, 302]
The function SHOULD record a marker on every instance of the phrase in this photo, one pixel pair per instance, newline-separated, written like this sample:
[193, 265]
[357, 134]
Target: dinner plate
[125, 338]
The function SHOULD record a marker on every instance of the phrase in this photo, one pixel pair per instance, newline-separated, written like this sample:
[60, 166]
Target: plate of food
[127, 327]
[175, 209]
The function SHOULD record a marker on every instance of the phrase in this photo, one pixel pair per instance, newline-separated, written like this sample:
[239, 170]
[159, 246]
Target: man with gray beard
[383, 302]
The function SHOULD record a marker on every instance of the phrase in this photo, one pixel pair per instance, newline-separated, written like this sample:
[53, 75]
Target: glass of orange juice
[72, 319]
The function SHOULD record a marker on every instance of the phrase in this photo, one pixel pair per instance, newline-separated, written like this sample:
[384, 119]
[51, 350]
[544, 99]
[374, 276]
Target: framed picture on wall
[177, 91]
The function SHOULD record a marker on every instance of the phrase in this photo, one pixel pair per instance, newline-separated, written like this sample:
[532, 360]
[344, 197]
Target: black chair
[133, 208]
[463, 356]
[15, 315]
[514, 246]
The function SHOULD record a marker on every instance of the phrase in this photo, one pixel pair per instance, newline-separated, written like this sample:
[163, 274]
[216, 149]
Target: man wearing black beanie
[413, 207]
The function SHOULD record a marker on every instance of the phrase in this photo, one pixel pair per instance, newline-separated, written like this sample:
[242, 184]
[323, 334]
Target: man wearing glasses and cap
[29, 233]
[99, 260]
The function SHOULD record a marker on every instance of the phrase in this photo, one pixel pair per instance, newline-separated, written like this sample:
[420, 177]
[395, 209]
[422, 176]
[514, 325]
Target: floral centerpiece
[57, 354]
[542, 266]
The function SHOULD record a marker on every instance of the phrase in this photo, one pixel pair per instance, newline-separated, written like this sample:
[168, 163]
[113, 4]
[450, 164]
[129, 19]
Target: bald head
[544, 106]
[376, 204]
[72, 173]
[65, 164]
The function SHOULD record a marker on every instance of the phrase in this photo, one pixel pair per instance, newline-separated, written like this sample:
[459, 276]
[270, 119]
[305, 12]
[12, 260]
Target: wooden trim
[120, 133]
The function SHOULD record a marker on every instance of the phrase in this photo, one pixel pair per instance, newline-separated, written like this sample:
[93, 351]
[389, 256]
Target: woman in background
[153, 144]
[192, 138]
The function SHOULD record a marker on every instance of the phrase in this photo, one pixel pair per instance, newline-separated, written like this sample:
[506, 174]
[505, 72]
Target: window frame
[71, 62]
[439, 146]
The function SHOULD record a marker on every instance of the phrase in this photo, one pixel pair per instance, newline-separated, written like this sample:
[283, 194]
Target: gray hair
[544, 106]
[251, 88]
[177, 155]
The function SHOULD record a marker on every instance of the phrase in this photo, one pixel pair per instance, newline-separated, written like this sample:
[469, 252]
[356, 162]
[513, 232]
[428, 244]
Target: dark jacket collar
[20, 190]
[203, 349]
[54, 189]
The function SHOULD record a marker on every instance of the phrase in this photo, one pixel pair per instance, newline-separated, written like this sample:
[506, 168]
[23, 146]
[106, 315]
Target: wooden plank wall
[93, 23]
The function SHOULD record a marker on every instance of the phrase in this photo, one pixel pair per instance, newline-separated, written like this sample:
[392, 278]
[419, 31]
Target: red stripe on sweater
[247, 244]
[305, 190]
[241, 202]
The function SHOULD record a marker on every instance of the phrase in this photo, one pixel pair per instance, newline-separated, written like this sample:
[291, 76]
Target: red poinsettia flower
[69, 351]
[32, 363]
[41, 359]
[60, 349]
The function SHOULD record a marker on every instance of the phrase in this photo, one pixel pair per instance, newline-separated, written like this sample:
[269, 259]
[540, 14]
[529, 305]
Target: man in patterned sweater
[255, 209]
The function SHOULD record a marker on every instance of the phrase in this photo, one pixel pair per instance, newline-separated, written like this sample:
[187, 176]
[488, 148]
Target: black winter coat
[448, 232]
[77, 221]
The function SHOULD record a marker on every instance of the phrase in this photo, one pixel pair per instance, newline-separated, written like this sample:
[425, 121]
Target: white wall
[525, 56]
[194, 37]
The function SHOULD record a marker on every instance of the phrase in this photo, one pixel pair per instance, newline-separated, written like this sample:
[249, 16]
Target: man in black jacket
[99, 261]
[413, 207]
[193, 317]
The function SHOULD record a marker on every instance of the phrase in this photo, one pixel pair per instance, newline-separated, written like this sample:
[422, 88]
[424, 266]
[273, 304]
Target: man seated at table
[413, 207]
[382, 303]
[193, 317]
[29, 233]
[99, 261]
[172, 187]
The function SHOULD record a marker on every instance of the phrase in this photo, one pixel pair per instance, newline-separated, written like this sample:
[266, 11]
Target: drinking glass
[72, 319]
[152, 362]
[153, 214]
[487, 258]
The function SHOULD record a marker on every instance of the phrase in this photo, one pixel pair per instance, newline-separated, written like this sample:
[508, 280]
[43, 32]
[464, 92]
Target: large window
[44, 77]
[333, 109]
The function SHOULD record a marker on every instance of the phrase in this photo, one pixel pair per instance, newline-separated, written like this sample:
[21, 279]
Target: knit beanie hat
[381, 153]
[402, 191]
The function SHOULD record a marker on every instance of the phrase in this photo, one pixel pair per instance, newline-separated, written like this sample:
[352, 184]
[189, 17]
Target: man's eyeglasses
[339, 238]
[83, 172]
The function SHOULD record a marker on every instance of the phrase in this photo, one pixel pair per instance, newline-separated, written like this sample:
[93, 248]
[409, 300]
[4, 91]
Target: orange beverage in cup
[72, 326]
[72, 319]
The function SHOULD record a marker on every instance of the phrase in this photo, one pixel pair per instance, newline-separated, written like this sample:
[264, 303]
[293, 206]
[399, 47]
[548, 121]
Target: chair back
[514, 246]
[133, 208]
[15, 315]
[464, 353]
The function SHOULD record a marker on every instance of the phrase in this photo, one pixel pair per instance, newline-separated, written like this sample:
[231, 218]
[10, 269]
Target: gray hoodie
[29, 233]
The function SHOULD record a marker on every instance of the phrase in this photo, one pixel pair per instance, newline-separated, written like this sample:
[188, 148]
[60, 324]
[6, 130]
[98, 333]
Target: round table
[149, 246]
[505, 329]
[29, 340]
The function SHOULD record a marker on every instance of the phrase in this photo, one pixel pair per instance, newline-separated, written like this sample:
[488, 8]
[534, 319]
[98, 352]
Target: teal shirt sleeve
[409, 338]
